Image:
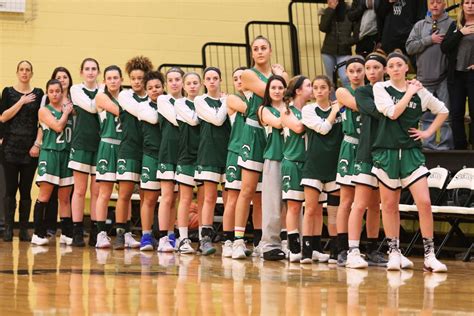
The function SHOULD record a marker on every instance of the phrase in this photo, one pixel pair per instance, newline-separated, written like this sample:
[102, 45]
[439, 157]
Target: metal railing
[284, 39]
[227, 57]
[304, 15]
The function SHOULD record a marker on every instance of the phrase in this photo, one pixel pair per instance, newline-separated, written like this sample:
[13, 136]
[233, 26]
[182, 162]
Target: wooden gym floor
[58, 280]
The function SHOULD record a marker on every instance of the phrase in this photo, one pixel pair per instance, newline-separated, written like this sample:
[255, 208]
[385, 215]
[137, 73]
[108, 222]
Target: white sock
[293, 232]
[183, 233]
[200, 232]
[354, 244]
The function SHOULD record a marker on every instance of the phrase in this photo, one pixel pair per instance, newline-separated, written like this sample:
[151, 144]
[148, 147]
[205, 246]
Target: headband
[212, 69]
[299, 82]
[376, 57]
[355, 59]
[397, 55]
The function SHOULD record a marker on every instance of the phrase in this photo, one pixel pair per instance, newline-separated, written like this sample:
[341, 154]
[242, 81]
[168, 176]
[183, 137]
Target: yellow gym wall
[63, 32]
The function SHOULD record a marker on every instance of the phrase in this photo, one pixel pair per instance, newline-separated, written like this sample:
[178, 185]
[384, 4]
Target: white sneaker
[394, 261]
[164, 245]
[227, 249]
[355, 278]
[38, 241]
[257, 251]
[238, 249]
[185, 246]
[65, 240]
[294, 257]
[320, 257]
[355, 260]
[37, 250]
[434, 265]
[130, 242]
[306, 260]
[284, 248]
[406, 263]
[103, 241]
[102, 255]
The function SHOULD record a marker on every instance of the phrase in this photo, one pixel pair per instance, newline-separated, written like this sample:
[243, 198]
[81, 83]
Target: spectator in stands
[432, 66]
[363, 11]
[21, 145]
[341, 34]
[458, 45]
[395, 20]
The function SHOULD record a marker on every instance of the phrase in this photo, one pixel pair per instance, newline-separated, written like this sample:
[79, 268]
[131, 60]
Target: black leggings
[19, 176]
[460, 89]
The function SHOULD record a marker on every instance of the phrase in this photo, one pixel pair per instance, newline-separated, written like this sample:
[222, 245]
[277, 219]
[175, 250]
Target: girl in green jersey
[254, 82]
[397, 157]
[108, 109]
[345, 170]
[85, 141]
[52, 166]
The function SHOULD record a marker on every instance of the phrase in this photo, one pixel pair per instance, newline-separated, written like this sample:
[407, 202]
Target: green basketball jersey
[213, 140]
[393, 134]
[253, 100]
[131, 146]
[110, 126]
[322, 151]
[86, 133]
[169, 139]
[350, 120]
[53, 140]
[370, 121]
[294, 146]
[188, 140]
[151, 136]
[235, 140]
[274, 147]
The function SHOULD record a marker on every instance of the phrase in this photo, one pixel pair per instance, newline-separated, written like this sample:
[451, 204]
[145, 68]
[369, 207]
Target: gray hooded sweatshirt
[432, 64]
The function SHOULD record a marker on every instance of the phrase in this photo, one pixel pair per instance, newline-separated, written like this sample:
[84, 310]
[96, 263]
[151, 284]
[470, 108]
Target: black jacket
[341, 34]
[450, 46]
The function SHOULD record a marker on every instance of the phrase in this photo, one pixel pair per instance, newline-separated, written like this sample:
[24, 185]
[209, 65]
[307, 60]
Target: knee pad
[333, 200]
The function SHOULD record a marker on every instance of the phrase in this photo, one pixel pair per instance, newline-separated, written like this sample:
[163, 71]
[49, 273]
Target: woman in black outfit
[458, 45]
[21, 144]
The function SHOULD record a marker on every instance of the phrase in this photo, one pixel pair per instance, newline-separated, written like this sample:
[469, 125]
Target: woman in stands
[272, 206]
[85, 141]
[298, 93]
[56, 123]
[129, 163]
[21, 144]
[254, 81]
[151, 130]
[188, 146]
[324, 136]
[351, 129]
[110, 137]
[167, 158]
[397, 157]
[212, 152]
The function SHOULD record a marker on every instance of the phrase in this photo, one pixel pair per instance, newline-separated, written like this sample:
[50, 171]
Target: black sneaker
[274, 255]
[376, 258]
[119, 243]
[78, 239]
[24, 235]
[342, 258]
[333, 256]
[93, 237]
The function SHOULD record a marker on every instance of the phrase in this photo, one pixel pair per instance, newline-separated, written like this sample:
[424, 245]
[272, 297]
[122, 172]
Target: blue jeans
[330, 61]
[446, 140]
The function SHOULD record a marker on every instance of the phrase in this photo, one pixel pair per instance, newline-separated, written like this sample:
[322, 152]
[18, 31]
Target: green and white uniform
[347, 154]
[189, 130]
[293, 162]
[214, 138]
[233, 172]
[110, 137]
[151, 132]
[253, 137]
[86, 132]
[370, 121]
[168, 155]
[397, 157]
[129, 163]
[322, 150]
[54, 154]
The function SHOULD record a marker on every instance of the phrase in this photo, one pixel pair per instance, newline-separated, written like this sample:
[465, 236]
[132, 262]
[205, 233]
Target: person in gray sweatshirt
[424, 42]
